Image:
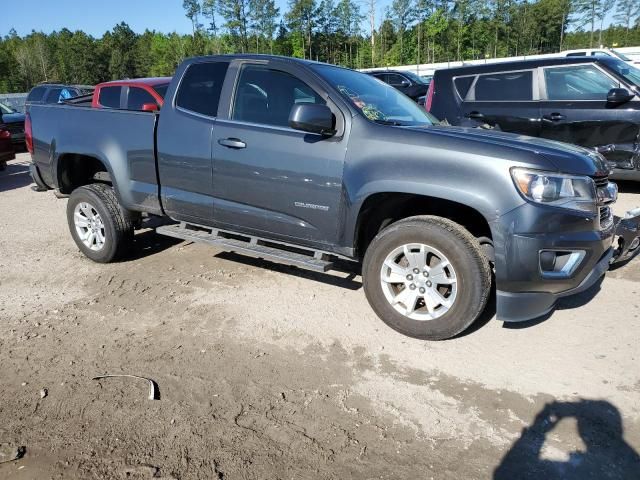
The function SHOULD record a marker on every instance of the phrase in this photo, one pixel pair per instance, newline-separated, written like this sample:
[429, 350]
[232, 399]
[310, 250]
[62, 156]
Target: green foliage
[411, 31]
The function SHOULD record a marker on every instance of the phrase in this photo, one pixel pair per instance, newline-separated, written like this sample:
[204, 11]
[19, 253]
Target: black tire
[465, 255]
[118, 223]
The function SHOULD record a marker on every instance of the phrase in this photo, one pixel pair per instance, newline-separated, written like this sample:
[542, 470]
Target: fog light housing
[560, 263]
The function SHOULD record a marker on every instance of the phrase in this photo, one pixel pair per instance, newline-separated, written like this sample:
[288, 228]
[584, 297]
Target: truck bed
[122, 139]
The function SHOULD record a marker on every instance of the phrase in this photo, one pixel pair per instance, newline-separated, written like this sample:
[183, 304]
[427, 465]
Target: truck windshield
[376, 100]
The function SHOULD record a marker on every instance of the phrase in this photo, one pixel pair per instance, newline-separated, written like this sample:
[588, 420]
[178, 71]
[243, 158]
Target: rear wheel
[426, 277]
[102, 230]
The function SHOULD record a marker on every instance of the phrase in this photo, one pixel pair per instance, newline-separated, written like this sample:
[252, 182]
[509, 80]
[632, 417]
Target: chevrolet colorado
[304, 163]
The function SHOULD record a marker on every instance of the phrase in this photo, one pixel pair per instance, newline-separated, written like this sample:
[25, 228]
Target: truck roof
[253, 56]
[151, 81]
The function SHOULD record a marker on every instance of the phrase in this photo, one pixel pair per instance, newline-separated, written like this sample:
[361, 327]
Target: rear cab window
[200, 88]
[36, 94]
[53, 95]
[110, 97]
[138, 97]
[509, 86]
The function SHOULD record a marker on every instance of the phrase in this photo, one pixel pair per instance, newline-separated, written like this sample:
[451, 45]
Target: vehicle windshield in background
[161, 89]
[621, 56]
[379, 102]
[629, 72]
[5, 109]
[415, 78]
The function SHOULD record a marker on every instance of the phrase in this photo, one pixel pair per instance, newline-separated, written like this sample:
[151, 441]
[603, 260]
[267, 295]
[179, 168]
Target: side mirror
[150, 107]
[312, 118]
[618, 96]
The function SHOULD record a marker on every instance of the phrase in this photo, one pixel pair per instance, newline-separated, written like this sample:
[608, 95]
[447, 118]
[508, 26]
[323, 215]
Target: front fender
[395, 160]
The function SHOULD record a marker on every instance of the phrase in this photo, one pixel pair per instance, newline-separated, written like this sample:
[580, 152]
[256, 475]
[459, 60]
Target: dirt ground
[270, 372]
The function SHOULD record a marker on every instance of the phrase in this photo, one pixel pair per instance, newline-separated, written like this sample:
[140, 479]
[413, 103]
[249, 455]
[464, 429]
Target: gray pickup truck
[306, 163]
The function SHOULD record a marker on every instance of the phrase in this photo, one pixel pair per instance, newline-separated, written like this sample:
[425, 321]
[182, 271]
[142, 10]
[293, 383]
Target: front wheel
[426, 277]
[101, 229]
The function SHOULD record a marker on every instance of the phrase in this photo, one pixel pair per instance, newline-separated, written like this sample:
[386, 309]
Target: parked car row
[52, 93]
[142, 94]
[13, 122]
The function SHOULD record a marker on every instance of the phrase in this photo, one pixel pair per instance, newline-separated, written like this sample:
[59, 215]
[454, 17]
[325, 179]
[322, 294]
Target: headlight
[556, 189]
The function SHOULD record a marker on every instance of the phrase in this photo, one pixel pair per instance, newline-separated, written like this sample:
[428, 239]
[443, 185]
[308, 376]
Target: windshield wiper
[389, 122]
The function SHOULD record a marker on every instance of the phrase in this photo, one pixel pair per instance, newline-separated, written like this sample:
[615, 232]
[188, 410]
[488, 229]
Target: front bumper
[524, 294]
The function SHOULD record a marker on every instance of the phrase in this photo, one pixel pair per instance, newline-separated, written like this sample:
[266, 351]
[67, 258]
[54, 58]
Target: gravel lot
[266, 371]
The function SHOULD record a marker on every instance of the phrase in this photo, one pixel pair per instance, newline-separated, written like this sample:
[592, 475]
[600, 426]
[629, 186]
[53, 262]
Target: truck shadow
[343, 275]
[605, 453]
[15, 176]
[147, 243]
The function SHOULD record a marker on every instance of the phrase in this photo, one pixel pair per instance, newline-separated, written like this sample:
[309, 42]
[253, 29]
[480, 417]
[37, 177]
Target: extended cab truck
[303, 162]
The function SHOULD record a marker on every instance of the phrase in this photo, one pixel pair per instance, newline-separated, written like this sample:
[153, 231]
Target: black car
[593, 102]
[13, 122]
[54, 93]
[408, 83]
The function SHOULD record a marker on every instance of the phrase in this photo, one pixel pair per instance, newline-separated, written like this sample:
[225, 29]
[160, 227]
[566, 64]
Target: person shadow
[606, 456]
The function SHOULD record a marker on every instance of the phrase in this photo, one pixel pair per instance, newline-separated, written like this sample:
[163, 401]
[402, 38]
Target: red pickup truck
[135, 94]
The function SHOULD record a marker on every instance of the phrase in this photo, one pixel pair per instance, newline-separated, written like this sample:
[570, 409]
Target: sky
[98, 16]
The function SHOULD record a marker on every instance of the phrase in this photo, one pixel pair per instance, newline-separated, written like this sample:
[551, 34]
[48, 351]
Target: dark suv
[54, 93]
[408, 83]
[593, 102]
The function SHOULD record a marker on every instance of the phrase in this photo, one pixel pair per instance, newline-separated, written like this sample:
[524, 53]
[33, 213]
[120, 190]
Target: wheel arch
[377, 209]
[74, 170]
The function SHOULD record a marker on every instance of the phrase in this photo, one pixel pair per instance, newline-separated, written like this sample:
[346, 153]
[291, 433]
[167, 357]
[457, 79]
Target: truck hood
[567, 158]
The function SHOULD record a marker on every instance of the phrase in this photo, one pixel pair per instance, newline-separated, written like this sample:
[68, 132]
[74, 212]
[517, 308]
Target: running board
[250, 246]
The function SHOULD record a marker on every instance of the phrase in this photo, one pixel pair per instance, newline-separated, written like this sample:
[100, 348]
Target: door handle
[476, 115]
[232, 143]
[554, 117]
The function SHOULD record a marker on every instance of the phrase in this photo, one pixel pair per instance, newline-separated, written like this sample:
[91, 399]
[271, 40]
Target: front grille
[601, 181]
[605, 217]
[605, 199]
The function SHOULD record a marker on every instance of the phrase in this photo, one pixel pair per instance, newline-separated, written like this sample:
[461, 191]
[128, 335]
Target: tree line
[352, 33]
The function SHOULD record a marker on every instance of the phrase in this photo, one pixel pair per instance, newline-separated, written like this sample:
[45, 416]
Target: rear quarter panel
[122, 140]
